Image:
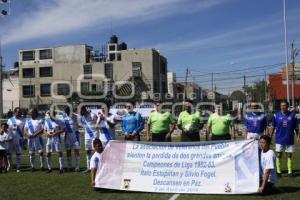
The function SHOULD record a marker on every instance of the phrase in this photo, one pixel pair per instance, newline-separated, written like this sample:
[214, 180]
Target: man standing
[220, 127]
[33, 130]
[72, 138]
[255, 123]
[159, 123]
[106, 125]
[132, 124]
[190, 124]
[88, 121]
[53, 128]
[285, 123]
[15, 129]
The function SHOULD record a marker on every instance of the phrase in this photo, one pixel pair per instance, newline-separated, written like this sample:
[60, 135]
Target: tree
[238, 95]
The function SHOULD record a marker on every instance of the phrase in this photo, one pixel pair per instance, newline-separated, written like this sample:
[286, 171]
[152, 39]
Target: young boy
[267, 165]
[4, 139]
[96, 159]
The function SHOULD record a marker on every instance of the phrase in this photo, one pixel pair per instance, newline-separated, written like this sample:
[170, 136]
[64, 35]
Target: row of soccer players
[19, 132]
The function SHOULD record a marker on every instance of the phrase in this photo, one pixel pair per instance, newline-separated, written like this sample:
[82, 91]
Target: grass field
[72, 186]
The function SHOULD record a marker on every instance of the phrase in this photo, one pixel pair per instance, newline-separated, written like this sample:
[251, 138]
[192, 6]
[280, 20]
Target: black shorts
[133, 138]
[190, 137]
[160, 137]
[2, 152]
[221, 137]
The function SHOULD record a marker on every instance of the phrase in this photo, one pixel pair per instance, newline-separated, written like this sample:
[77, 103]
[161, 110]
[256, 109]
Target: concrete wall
[10, 93]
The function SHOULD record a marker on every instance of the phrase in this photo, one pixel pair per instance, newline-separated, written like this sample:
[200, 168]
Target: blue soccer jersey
[285, 125]
[256, 123]
[132, 122]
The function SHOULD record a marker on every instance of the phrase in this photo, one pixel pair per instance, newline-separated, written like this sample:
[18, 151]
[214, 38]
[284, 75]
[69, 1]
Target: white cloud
[63, 16]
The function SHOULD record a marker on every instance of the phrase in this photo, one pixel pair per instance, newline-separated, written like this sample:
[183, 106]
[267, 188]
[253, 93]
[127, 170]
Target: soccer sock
[18, 161]
[88, 159]
[278, 163]
[61, 162]
[49, 162]
[9, 161]
[42, 161]
[32, 159]
[289, 165]
[77, 162]
[69, 161]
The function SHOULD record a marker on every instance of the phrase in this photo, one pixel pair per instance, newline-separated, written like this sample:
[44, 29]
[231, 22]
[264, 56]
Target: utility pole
[294, 53]
[286, 55]
[2, 13]
[265, 85]
[245, 88]
[185, 83]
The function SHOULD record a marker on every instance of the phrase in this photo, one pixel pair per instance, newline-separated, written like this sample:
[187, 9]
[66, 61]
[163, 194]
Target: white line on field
[174, 197]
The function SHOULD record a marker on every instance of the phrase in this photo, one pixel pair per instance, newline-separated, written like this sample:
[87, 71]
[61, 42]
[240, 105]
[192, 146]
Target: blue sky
[204, 35]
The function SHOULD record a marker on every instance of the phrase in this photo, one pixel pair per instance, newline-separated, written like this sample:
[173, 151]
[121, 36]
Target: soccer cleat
[61, 171]
[279, 175]
[86, 171]
[42, 169]
[32, 169]
[18, 171]
[291, 175]
[8, 168]
[49, 171]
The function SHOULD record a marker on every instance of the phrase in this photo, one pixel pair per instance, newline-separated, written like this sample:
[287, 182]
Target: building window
[87, 71]
[28, 55]
[85, 87]
[28, 73]
[45, 54]
[108, 70]
[136, 69]
[89, 56]
[45, 90]
[112, 47]
[28, 91]
[119, 57]
[46, 72]
[63, 89]
[94, 88]
[163, 68]
[112, 56]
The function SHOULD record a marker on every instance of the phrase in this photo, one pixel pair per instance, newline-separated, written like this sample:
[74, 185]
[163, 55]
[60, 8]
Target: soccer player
[96, 159]
[33, 130]
[286, 124]
[190, 123]
[220, 127]
[4, 139]
[106, 124]
[132, 124]
[267, 165]
[255, 123]
[72, 138]
[15, 129]
[88, 121]
[159, 122]
[53, 129]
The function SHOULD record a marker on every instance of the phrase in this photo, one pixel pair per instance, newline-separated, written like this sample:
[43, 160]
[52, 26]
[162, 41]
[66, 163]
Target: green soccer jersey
[189, 122]
[160, 122]
[219, 124]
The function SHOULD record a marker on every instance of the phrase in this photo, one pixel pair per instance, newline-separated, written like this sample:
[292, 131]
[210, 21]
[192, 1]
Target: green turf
[72, 186]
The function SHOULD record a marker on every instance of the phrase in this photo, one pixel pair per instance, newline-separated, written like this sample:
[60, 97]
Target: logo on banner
[126, 185]
[228, 188]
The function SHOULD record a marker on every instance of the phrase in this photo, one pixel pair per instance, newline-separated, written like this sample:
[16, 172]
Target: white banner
[206, 168]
